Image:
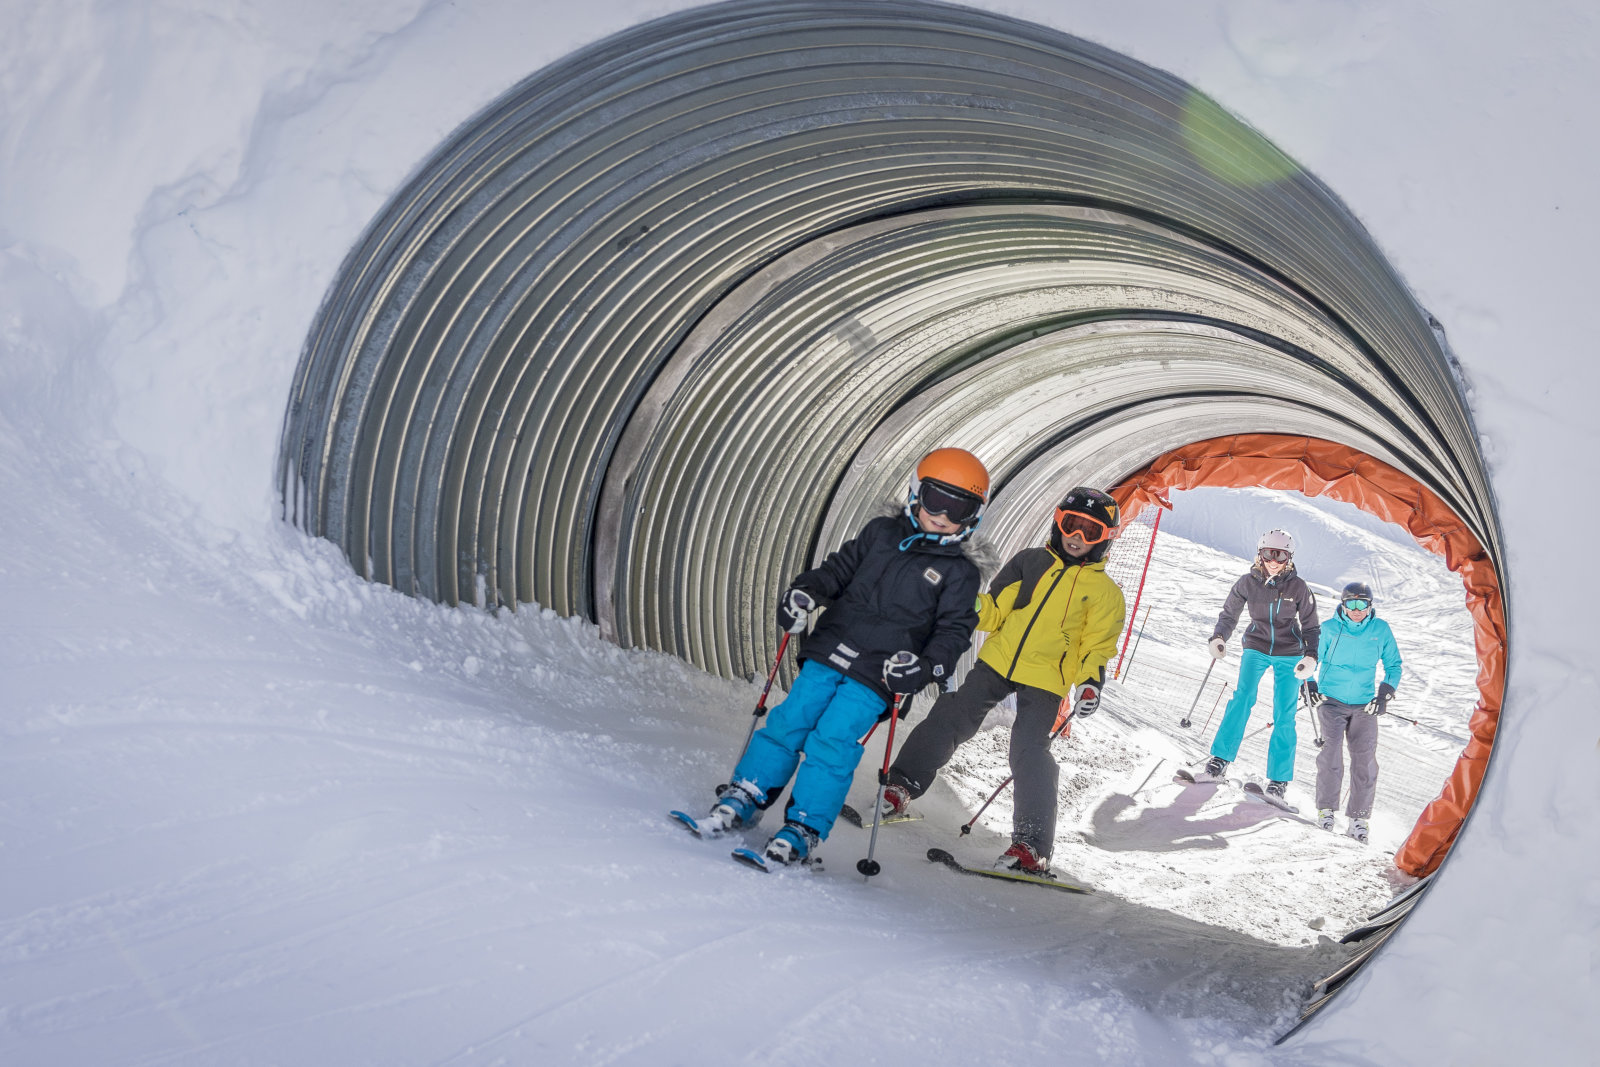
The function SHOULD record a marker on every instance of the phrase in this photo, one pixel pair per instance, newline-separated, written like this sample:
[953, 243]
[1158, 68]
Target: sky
[178, 185]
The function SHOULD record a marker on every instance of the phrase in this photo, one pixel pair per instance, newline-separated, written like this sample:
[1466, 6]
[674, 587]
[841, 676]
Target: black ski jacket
[880, 600]
[1283, 613]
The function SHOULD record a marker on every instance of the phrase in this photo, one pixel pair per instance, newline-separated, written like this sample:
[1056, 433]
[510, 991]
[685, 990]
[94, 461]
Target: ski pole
[869, 866]
[1185, 721]
[1122, 672]
[967, 829]
[1316, 726]
[1220, 694]
[1396, 714]
[761, 705]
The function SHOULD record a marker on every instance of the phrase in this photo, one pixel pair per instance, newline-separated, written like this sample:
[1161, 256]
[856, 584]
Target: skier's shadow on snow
[1171, 828]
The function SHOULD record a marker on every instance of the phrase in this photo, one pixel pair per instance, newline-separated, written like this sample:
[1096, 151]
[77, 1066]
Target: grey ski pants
[956, 717]
[1341, 724]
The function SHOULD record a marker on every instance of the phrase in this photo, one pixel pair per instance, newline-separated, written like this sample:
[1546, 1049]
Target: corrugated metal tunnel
[672, 316]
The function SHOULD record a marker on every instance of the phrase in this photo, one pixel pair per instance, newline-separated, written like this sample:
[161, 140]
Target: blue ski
[691, 824]
[751, 858]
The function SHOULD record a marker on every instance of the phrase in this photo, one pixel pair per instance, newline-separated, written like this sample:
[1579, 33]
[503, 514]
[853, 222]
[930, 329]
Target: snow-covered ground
[253, 810]
[257, 810]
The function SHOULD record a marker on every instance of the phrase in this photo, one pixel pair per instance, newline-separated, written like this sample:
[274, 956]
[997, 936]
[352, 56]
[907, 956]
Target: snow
[255, 810]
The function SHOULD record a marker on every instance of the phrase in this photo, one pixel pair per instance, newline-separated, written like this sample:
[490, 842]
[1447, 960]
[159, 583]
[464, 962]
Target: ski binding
[855, 818]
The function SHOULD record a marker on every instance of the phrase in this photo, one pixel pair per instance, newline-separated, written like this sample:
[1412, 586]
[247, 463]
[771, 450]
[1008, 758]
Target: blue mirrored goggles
[1358, 604]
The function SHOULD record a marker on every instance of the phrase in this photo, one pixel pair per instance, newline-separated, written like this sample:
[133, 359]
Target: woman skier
[1352, 645]
[1282, 637]
[899, 599]
[1053, 617]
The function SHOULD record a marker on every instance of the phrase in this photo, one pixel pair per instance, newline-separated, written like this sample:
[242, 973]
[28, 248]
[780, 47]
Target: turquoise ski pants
[825, 716]
[1285, 694]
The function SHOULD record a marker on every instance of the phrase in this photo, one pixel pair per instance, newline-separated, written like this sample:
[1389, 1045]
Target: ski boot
[896, 798]
[793, 843]
[1022, 858]
[734, 808]
[1215, 770]
[1325, 818]
[1278, 789]
[1357, 830]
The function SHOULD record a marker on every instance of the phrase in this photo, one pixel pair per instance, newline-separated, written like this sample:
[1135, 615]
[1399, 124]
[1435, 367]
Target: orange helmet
[953, 483]
[957, 468]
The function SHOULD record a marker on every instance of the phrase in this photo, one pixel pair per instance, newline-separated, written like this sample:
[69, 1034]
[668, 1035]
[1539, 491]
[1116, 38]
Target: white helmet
[1276, 539]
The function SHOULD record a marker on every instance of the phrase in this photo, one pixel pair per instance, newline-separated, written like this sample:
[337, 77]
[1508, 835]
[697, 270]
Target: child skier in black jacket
[900, 612]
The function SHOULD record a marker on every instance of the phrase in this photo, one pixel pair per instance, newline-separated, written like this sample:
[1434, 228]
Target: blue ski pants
[825, 716]
[1285, 694]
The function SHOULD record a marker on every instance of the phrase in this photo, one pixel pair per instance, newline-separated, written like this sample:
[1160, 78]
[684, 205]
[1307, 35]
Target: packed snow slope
[252, 810]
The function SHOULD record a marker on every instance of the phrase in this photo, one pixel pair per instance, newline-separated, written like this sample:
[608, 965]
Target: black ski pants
[956, 717]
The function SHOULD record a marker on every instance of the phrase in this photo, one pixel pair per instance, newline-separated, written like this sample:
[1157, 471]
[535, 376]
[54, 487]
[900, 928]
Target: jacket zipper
[1024, 640]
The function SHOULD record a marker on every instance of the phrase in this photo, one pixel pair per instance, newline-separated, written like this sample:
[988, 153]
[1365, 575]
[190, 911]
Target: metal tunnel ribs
[674, 314]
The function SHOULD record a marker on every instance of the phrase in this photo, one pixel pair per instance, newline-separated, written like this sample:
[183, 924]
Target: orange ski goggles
[1084, 529]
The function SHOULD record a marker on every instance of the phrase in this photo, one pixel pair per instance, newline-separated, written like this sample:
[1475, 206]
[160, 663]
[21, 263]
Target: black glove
[1385, 691]
[1309, 691]
[907, 672]
[793, 607]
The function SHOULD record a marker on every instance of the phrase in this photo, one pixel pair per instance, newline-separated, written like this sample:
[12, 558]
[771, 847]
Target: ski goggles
[957, 505]
[1277, 555]
[1084, 529]
[1358, 604]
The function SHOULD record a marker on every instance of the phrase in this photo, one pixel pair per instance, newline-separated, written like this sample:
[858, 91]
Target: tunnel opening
[675, 315]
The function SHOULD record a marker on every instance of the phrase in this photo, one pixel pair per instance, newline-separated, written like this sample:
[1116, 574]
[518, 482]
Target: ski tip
[751, 858]
[685, 820]
[939, 855]
[851, 816]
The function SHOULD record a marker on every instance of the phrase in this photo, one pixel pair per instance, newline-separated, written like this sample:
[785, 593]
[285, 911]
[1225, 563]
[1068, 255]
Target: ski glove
[1218, 647]
[793, 608]
[1306, 667]
[907, 672]
[1088, 701]
[1309, 692]
[1381, 702]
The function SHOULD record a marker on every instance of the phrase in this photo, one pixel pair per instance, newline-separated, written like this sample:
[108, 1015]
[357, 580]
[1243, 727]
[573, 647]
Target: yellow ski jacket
[1051, 625]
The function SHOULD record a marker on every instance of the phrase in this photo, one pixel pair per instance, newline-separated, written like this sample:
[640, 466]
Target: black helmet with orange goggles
[1087, 516]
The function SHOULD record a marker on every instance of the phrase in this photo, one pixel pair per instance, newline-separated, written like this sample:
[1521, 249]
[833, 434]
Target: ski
[690, 823]
[939, 855]
[1183, 777]
[855, 818]
[1254, 789]
[751, 858]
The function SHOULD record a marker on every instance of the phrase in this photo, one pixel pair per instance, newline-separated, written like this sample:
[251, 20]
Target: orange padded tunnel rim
[1316, 467]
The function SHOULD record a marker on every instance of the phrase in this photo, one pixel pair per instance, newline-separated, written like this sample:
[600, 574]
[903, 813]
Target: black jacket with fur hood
[882, 599]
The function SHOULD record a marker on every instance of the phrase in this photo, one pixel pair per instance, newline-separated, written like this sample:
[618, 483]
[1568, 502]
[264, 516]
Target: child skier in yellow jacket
[1053, 617]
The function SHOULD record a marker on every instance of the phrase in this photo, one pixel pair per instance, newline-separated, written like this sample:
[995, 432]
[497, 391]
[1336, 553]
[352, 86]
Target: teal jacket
[1348, 654]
